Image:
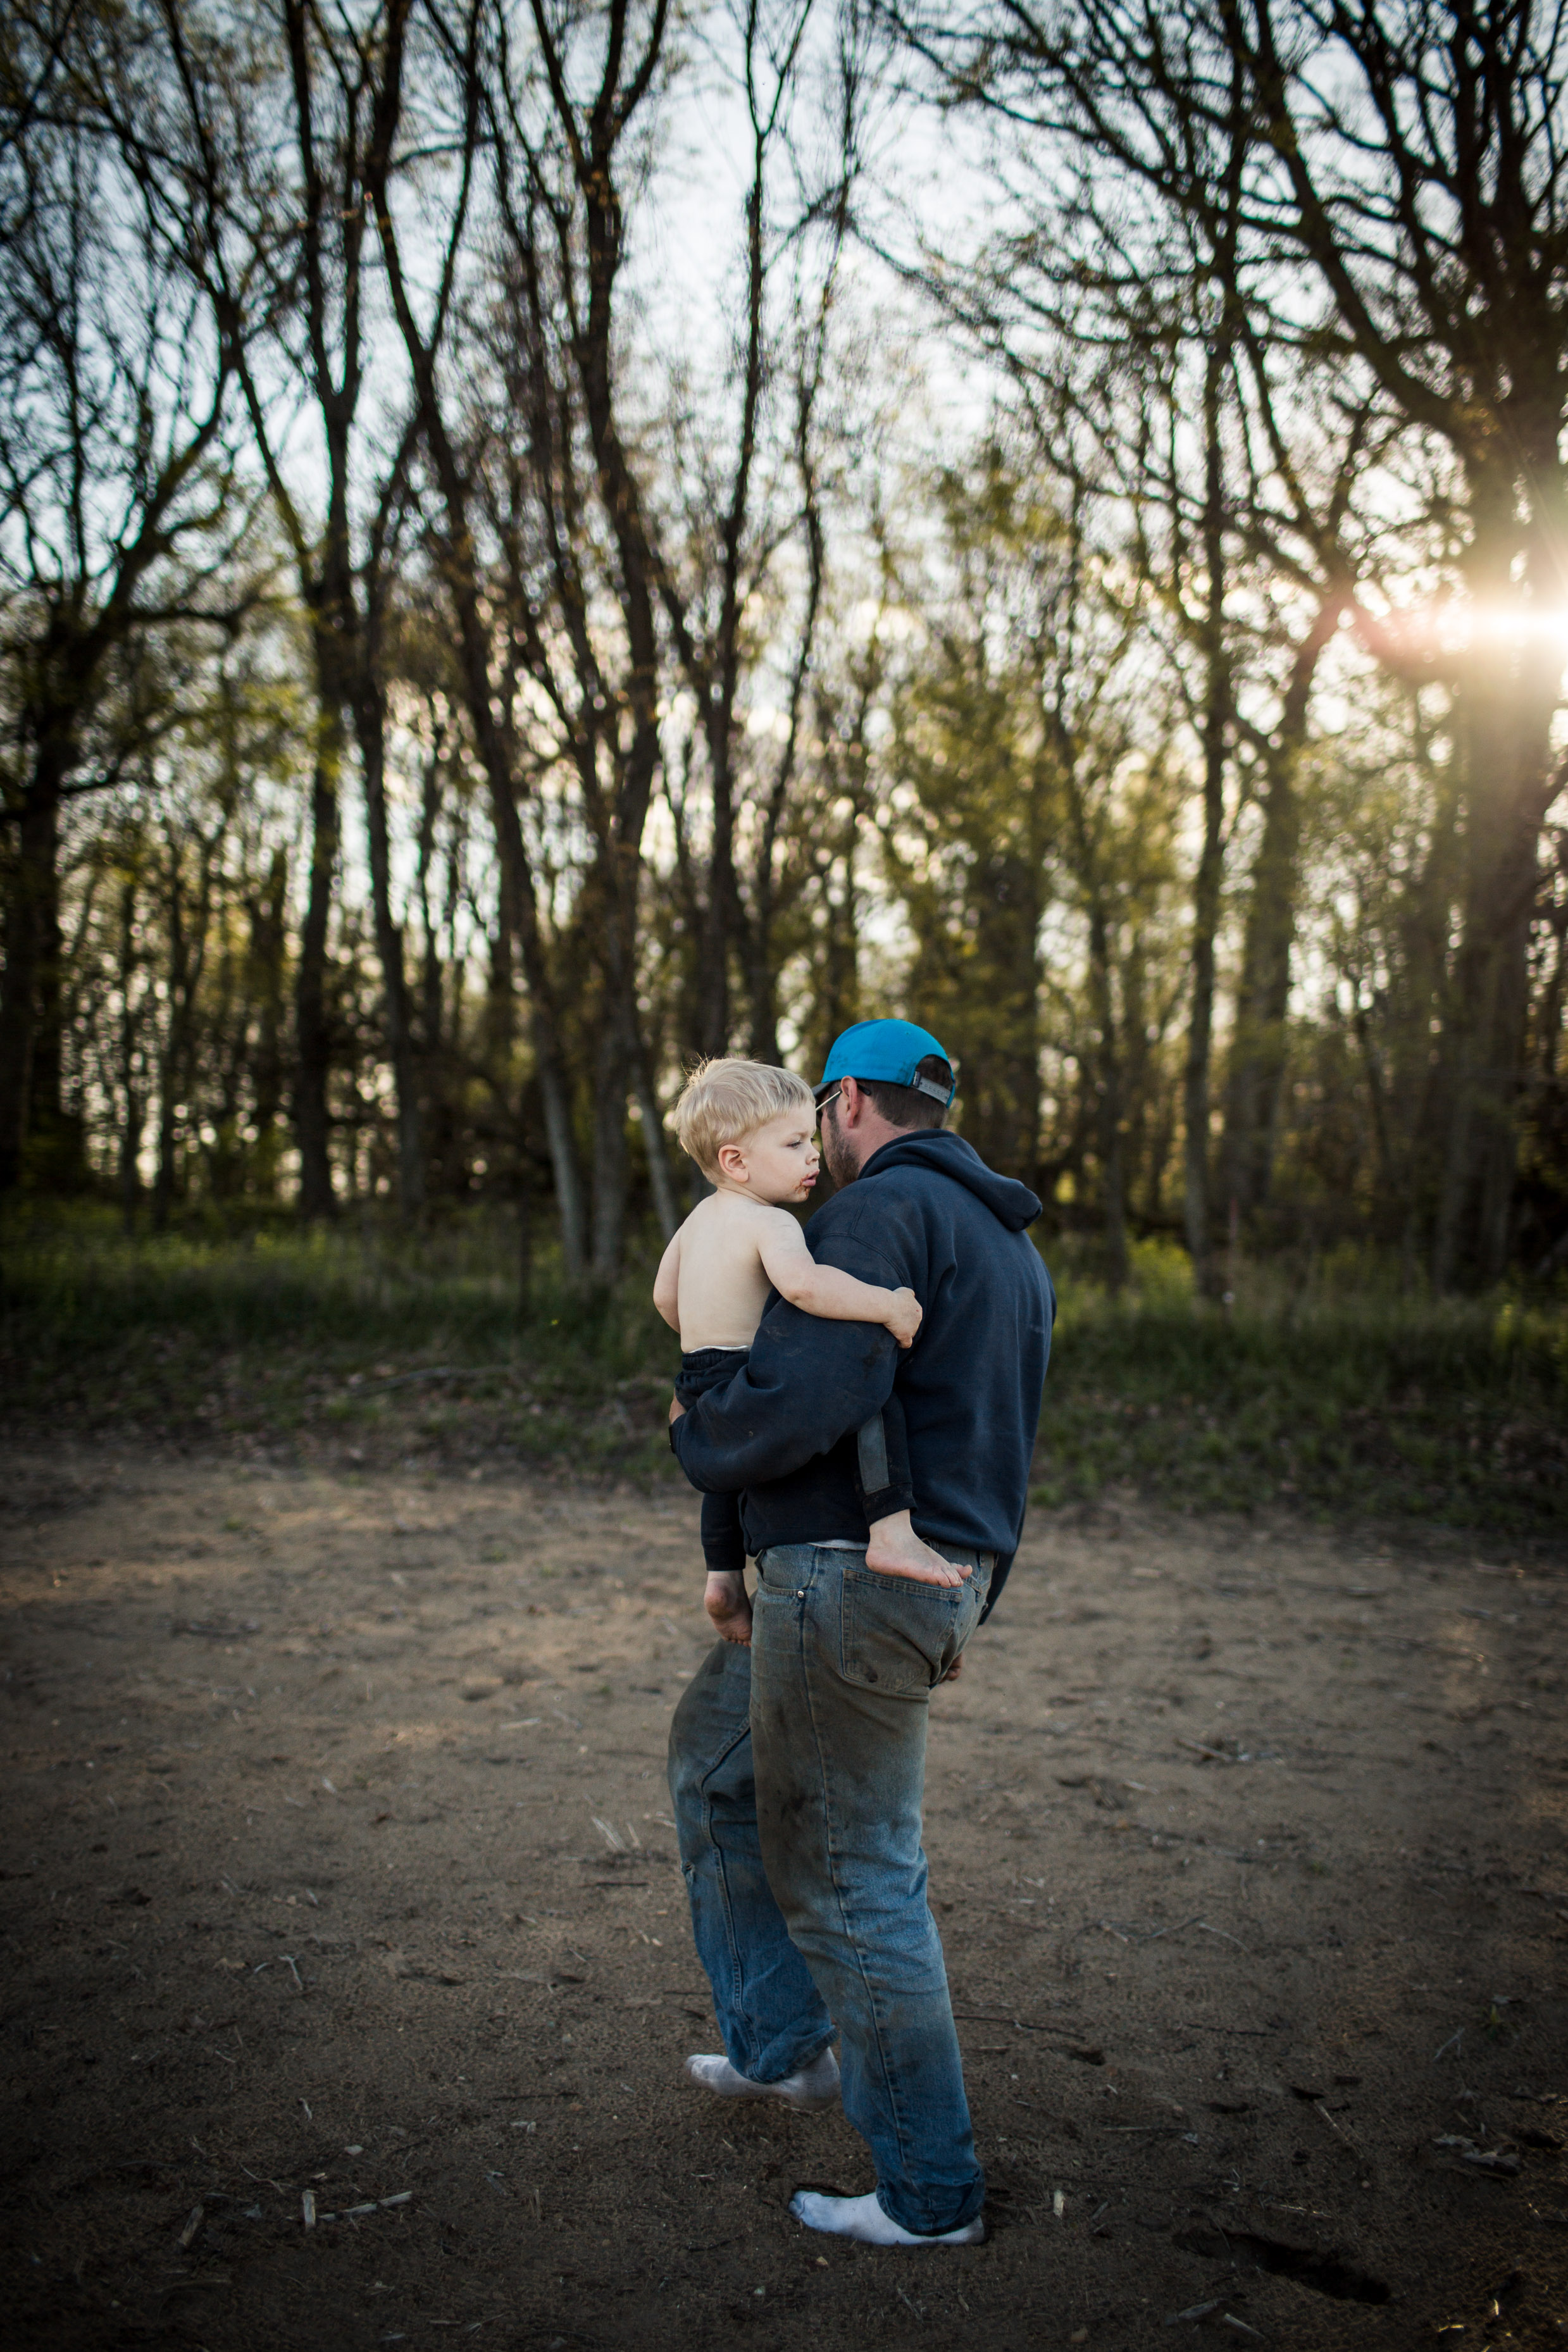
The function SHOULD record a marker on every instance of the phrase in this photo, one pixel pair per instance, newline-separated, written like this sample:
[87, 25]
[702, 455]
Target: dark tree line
[480, 627]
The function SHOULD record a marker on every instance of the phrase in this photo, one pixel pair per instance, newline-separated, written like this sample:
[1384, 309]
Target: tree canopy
[498, 600]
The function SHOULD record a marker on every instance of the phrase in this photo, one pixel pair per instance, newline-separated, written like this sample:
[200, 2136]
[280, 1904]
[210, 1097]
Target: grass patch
[1340, 1395]
[375, 1340]
[1337, 1395]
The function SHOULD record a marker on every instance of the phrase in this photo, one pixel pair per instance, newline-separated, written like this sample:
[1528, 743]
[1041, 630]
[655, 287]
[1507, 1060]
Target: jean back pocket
[900, 1637]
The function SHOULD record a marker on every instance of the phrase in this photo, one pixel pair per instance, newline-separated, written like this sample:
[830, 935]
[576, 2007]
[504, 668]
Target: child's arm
[667, 1285]
[824, 1290]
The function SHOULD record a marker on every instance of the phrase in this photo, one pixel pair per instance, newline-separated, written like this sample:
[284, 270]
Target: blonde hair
[728, 1098]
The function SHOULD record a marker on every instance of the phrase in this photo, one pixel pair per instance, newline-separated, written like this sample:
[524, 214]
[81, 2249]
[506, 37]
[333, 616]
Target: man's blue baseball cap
[888, 1052]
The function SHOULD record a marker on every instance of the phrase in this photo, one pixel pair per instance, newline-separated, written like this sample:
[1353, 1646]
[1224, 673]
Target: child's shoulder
[733, 1216]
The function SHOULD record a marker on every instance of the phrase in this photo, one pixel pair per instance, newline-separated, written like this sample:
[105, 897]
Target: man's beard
[838, 1152]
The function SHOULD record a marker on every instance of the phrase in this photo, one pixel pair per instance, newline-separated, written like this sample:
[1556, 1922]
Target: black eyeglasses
[823, 1100]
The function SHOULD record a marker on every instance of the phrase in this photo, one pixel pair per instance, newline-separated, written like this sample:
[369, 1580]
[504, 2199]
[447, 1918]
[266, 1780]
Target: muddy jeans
[797, 1772]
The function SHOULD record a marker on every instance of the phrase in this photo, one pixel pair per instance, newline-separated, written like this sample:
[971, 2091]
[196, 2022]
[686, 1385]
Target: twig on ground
[1249, 2032]
[1223, 1933]
[1340, 2132]
[1214, 1755]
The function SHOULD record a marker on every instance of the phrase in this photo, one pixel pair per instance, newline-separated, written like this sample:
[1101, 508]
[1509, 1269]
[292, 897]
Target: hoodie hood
[937, 1150]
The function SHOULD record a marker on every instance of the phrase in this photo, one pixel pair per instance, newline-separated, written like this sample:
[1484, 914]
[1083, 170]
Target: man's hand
[955, 1669]
[727, 1604]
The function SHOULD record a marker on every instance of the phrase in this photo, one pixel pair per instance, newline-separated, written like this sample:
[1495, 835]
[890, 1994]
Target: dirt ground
[338, 1864]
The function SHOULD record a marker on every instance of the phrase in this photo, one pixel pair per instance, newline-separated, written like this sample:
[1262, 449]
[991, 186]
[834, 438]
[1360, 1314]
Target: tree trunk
[1200, 1034]
[713, 949]
[313, 1026]
[1257, 1052]
[1492, 996]
[1256, 1075]
[131, 1126]
[661, 1180]
[57, 1155]
[29, 925]
[1209, 879]
[1506, 713]
[524, 1240]
[370, 729]
[268, 918]
[610, 1075]
[1109, 1101]
[762, 981]
[171, 1062]
[839, 996]
[561, 1145]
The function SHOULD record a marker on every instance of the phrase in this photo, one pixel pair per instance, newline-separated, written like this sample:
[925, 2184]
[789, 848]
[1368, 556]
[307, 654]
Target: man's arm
[806, 1383]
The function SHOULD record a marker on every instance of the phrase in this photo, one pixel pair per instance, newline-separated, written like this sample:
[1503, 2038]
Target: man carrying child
[880, 1456]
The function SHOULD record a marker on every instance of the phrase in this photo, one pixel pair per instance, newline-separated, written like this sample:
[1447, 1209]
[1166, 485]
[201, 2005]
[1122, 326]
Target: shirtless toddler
[751, 1130]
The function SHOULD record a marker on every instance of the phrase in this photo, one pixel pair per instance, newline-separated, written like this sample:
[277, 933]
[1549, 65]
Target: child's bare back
[732, 1249]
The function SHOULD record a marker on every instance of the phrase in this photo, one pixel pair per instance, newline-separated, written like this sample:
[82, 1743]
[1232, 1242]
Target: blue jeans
[797, 1772]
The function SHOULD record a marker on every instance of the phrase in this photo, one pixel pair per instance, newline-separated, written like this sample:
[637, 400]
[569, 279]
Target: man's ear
[851, 1101]
[732, 1163]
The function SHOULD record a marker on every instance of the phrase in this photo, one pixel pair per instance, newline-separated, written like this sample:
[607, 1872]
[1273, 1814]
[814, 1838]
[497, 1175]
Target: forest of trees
[543, 539]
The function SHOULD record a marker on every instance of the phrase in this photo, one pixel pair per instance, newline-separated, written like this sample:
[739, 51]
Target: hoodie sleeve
[806, 1382]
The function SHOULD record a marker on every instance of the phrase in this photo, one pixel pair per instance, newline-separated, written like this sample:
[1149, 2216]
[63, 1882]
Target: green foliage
[1028, 833]
[277, 1334]
[1341, 1395]
[1334, 1394]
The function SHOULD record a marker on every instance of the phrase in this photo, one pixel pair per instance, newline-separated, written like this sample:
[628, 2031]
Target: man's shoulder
[906, 1187]
[886, 1215]
[853, 1219]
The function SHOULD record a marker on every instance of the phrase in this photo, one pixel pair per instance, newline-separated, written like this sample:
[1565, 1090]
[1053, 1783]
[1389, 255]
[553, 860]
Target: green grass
[287, 1337]
[1336, 1395]
[1340, 1395]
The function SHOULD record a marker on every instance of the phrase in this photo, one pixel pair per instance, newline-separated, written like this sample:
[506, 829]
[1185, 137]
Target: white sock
[862, 2218]
[815, 2085]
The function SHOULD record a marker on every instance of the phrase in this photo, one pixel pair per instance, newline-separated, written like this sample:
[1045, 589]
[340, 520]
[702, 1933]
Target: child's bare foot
[895, 1550]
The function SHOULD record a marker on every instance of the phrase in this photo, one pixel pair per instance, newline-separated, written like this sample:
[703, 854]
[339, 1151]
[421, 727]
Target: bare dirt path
[337, 1863]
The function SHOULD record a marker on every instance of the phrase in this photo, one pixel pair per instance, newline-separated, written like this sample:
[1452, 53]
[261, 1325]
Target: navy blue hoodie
[925, 1210]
